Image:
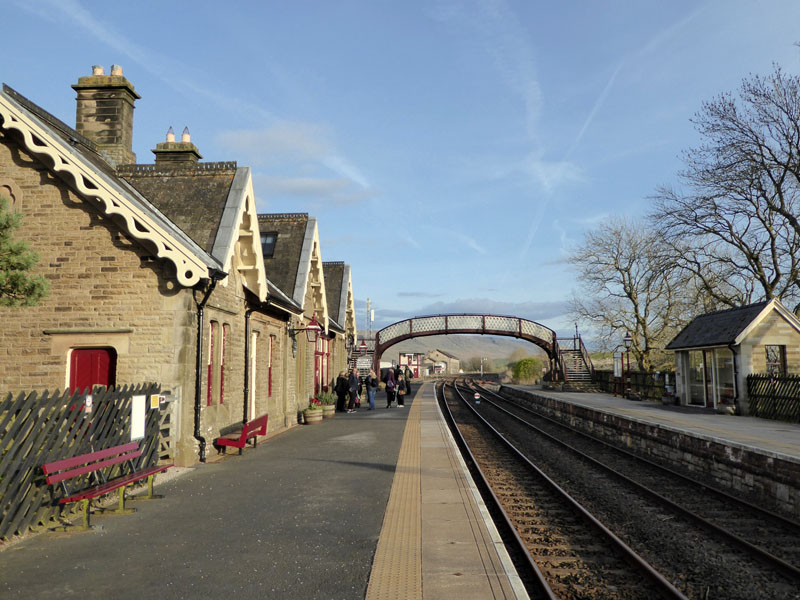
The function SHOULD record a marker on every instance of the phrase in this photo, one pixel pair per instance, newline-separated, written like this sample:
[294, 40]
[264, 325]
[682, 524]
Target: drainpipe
[198, 375]
[735, 377]
[246, 400]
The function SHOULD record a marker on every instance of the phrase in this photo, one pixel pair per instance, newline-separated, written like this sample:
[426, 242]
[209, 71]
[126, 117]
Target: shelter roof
[724, 327]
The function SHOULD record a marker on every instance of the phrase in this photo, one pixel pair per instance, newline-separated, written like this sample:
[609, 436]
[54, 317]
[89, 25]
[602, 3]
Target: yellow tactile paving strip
[397, 568]
[437, 541]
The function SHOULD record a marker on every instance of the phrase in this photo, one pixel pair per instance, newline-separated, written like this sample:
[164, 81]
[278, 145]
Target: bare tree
[737, 227]
[629, 282]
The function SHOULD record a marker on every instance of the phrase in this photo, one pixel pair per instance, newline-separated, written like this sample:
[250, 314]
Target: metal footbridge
[473, 324]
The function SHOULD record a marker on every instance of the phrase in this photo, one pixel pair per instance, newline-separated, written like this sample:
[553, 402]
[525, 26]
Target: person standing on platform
[352, 387]
[390, 384]
[372, 388]
[341, 391]
[402, 390]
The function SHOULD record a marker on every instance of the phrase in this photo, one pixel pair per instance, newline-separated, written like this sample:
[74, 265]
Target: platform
[372, 504]
[772, 437]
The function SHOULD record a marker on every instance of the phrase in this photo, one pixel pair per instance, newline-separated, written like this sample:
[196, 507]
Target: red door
[92, 366]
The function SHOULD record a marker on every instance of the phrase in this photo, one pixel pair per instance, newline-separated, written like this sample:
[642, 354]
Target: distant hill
[464, 346]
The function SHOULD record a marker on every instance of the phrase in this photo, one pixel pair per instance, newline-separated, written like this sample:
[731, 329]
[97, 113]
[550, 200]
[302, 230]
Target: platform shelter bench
[238, 439]
[61, 472]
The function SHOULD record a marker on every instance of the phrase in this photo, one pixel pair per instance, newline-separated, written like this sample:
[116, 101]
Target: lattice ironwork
[466, 324]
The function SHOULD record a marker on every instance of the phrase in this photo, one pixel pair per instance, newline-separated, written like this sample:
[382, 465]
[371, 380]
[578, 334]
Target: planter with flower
[328, 402]
[313, 414]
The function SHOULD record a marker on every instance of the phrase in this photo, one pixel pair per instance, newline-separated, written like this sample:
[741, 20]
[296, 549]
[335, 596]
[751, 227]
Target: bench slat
[99, 490]
[74, 461]
[94, 466]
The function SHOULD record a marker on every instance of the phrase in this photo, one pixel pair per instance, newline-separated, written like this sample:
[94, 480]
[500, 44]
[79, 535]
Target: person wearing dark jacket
[341, 391]
[390, 385]
[352, 388]
[402, 390]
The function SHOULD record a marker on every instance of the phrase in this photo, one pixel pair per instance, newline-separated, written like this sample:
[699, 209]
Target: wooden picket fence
[773, 397]
[37, 428]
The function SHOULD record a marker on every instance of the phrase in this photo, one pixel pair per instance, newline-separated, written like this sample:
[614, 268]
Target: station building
[157, 273]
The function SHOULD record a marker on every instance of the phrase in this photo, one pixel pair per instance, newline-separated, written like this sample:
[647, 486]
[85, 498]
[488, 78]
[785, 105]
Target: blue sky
[451, 150]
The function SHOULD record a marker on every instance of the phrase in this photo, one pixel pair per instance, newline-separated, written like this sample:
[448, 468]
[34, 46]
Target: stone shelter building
[439, 362]
[156, 271]
[716, 352]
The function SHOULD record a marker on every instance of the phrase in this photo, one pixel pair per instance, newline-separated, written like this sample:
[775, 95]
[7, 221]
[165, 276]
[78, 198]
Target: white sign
[137, 417]
[363, 363]
[617, 365]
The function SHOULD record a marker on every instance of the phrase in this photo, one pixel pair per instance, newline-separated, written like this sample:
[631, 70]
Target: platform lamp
[312, 331]
[627, 341]
[363, 347]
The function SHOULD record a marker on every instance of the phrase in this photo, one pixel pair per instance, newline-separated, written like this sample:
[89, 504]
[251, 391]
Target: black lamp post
[627, 341]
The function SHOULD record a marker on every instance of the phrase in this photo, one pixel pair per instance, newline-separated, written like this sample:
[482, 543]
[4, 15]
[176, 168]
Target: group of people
[349, 388]
[398, 386]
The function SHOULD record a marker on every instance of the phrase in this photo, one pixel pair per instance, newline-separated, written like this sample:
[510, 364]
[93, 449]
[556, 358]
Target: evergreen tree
[17, 285]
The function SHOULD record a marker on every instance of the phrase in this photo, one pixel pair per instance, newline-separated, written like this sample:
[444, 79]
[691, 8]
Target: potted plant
[328, 402]
[313, 414]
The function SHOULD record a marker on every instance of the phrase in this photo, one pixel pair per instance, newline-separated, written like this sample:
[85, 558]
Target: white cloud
[281, 142]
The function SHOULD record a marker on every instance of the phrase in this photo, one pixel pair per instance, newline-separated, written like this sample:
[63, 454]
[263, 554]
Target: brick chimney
[177, 155]
[105, 112]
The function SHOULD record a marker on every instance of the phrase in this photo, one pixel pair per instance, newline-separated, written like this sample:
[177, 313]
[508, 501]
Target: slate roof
[193, 199]
[282, 267]
[718, 328]
[334, 289]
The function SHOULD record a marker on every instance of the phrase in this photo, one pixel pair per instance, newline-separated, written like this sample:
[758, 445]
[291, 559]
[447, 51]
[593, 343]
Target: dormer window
[268, 240]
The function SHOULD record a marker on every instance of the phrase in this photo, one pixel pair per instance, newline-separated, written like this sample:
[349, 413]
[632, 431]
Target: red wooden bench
[94, 464]
[238, 439]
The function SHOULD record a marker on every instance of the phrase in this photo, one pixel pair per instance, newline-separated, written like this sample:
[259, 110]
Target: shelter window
[776, 359]
[268, 240]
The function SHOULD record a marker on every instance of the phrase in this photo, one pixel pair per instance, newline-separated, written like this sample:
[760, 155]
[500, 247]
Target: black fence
[774, 397]
[37, 428]
[646, 385]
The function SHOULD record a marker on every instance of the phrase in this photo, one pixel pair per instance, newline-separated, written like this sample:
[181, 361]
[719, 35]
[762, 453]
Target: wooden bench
[238, 439]
[93, 464]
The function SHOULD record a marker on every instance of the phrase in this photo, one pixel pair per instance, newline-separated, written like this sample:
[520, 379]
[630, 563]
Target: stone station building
[157, 273]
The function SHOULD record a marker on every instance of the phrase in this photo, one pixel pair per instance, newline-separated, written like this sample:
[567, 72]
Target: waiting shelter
[716, 352]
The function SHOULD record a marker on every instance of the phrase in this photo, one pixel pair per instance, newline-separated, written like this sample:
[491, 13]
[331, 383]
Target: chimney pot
[170, 134]
[98, 70]
[116, 71]
[185, 136]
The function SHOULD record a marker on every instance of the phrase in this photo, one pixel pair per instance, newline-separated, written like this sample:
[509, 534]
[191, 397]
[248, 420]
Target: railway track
[575, 555]
[770, 537]
[705, 543]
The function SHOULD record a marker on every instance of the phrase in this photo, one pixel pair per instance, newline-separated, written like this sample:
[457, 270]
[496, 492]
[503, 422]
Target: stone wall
[773, 330]
[763, 477]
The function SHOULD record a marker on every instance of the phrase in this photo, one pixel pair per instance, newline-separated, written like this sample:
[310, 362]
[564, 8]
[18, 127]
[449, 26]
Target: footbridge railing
[473, 324]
